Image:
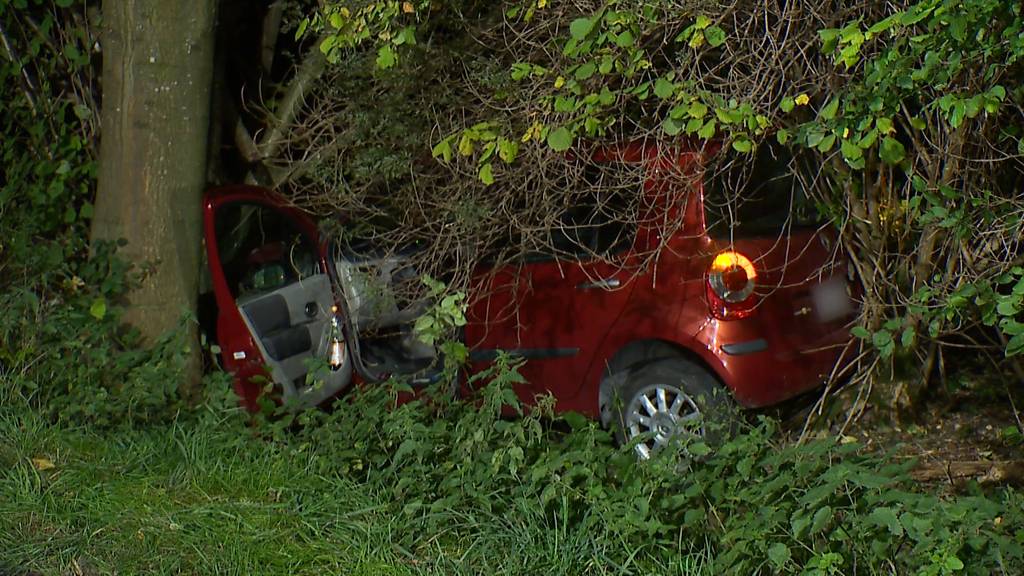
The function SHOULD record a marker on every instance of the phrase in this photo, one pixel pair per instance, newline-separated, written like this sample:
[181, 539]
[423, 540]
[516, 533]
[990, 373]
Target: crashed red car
[747, 303]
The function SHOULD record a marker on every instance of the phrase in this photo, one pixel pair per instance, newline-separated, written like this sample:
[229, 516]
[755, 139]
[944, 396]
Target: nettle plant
[911, 115]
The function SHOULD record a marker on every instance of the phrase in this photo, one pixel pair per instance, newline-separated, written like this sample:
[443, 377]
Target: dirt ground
[973, 432]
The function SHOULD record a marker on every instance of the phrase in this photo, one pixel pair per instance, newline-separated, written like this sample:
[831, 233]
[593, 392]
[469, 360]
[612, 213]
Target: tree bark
[157, 73]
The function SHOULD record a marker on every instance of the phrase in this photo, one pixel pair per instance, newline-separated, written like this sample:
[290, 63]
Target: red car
[747, 302]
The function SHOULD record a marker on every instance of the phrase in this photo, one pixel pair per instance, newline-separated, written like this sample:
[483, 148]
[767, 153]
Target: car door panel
[287, 334]
[267, 325]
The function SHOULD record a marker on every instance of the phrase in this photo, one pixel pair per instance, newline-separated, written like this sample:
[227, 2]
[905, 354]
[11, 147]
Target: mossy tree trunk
[157, 74]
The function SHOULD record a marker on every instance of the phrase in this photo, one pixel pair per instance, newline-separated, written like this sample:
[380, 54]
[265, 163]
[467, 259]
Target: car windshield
[758, 195]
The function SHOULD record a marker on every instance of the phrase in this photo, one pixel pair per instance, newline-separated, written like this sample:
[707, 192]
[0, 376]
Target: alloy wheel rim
[661, 412]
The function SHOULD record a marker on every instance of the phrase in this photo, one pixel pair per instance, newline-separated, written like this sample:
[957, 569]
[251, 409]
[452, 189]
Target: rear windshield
[758, 195]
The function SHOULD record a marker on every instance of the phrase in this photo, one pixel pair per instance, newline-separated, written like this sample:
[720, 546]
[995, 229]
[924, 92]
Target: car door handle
[604, 283]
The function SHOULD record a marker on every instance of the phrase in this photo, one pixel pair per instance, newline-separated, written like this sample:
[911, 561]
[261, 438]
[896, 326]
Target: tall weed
[460, 475]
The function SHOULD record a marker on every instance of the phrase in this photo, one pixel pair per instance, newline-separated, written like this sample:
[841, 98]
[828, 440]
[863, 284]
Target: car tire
[669, 397]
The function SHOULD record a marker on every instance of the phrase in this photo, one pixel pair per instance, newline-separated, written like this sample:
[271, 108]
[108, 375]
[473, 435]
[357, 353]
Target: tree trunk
[157, 73]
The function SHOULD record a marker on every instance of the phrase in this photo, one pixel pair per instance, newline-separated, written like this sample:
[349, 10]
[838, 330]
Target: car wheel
[671, 399]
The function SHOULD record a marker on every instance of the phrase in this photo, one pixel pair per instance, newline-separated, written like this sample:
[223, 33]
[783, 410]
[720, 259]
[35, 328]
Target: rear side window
[599, 219]
[758, 195]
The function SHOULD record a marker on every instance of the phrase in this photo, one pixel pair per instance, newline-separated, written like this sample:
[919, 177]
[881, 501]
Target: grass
[180, 500]
[432, 488]
[188, 498]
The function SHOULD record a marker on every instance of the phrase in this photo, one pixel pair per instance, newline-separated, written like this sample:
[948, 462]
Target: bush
[457, 473]
[71, 359]
[61, 346]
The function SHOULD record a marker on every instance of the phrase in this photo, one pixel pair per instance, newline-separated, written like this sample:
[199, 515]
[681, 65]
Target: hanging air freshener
[335, 342]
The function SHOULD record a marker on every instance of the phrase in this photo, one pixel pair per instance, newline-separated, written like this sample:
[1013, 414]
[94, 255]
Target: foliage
[60, 338]
[75, 362]
[48, 121]
[434, 485]
[907, 114]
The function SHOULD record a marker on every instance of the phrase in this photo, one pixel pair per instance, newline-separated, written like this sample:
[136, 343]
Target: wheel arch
[638, 352]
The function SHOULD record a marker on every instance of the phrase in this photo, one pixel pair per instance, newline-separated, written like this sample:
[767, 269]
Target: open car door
[276, 315]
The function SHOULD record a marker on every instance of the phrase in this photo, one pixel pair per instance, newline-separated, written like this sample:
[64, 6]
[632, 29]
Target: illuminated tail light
[731, 281]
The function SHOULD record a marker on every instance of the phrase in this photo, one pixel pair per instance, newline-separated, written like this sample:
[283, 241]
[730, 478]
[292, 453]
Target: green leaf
[520, 70]
[82, 112]
[1015, 345]
[779, 555]
[821, 518]
[1008, 306]
[697, 110]
[787, 104]
[443, 149]
[508, 150]
[715, 36]
[328, 43]
[671, 127]
[487, 174]
[881, 339]
[586, 71]
[560, 139]
[830, 109]
[726, 116]
[891, 151]
[885, 24]
[386, 57]
[466, 144]
[406, 36]
[580, 27]
[664, 88]
[708, 129]
[782, 136]
[98, 310]
[850, 150]
[915, 15]
[868, 139]
[829, 39]
[565, 104]
[742, 144]
[907, 339]
[799, 522]
[625, 39]
[886, 517]
[827, 142]
[860, 332]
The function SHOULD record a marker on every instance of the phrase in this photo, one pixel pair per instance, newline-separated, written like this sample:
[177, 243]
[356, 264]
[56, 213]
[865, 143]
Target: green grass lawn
[191, 499]
[180, 500]
[454, 489]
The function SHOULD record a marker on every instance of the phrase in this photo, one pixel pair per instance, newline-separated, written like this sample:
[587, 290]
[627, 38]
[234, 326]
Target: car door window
[261, 249]
[599, 220]
[759, 195]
